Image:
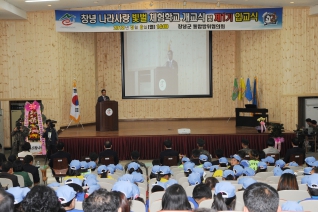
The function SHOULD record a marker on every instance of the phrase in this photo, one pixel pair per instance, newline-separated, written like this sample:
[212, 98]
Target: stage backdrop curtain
[151, 146]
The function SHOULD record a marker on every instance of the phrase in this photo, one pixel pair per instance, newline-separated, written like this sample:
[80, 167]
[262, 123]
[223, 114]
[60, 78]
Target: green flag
[235, 90]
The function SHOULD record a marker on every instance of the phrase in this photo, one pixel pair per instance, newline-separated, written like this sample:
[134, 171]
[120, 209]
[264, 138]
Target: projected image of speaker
[166, 81]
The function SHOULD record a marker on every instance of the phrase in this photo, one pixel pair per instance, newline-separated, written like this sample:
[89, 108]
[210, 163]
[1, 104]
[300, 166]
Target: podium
[107, 116]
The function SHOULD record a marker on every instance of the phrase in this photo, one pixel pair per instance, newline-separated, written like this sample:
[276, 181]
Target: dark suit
[109, 152]
[3, 157]
[168, 152]
[101, 99]
[172, 64]
[60, 154]
[294, 150]
[11, 177]
[34, 171]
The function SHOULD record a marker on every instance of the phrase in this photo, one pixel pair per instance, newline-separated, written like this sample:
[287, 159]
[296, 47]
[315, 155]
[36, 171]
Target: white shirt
[23, 154]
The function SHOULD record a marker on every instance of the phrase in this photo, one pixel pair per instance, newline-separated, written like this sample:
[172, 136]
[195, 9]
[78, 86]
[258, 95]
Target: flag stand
[76, 125]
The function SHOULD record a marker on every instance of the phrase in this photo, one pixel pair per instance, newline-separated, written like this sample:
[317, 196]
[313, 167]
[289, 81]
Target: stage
[147, 137]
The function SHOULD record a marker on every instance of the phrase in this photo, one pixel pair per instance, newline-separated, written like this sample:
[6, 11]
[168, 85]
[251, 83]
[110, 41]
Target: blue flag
[248, 91]
[255, 92]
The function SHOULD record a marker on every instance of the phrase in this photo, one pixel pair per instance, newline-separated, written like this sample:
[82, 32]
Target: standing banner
[75, 111]
[168, 19]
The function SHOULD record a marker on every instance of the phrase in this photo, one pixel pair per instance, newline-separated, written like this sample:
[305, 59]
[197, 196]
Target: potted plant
[276, 131]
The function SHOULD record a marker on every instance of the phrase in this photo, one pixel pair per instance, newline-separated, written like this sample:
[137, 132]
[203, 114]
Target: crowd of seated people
[211, 179]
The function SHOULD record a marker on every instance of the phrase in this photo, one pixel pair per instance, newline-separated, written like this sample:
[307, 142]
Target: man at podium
[171, 63]
[103, 97]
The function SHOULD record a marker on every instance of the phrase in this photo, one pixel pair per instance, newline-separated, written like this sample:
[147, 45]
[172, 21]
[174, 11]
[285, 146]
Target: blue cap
[188, 166]
[194, 179]
[227, 173]
[241, 180]
[249, 181]
[111, 169]
[138, 177]
[199, 170]
[214, 168]
[126, 177]
[207, 165]
[312, 181]
[124, 187]
[315, 164]
[292, 206]
[223, 160]
[203, 158]
[84, 165]
[293, 164]
[133, 165]
[93, 188]
[155, 169]
[65, 194]
[170, 183]
[262, 165]
[75, 165]
[90, 182]
[277, 171]
[307, 170]
[288, 171]
[90, 176]
[248, 171]
[111, 165]
[245, 163]
[18, 193]
[101, 169]
[269, 159]
[55, 184]
[238, 170]
[280, 163]
[185, 159]
[158, 183]
[73, 180]
[237, 157]
[304, 180]
[92, 165]
[119, 167]
[310, 160]
[165, 170]
[226, 188]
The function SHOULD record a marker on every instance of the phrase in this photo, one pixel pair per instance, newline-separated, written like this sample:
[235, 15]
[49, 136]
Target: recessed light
[292, 2]
[49, 5]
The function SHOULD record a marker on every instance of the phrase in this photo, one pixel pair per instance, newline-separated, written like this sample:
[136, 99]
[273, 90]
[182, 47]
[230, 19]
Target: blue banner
[168, 19]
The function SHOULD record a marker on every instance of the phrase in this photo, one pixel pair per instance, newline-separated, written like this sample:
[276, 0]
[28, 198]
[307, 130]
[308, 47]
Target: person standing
[103, 97]
[20, 133]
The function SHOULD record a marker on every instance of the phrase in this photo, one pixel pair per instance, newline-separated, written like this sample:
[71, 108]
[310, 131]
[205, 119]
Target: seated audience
[224, 197]
[260, 197]
[67, 196]
[309, 161]
[6, 201]
[200, 193]
[294, 150]
[202, 160]
[124, 204]
[228, 175]
[76, 184]
[195, 157]
[292, 206]
[7, 172]
[207, 166]
[94, 157]
[245, 146]
[101, 200]
[18, 170]
[235, 160]
[12, 158]
[59, 154]
[200, 145]
[135, 155]
[19, 194]
[134, 167]
[74, 170]
[164, 174]
[109, 152]
[103, 172]
[312, 184]
[168, 151]
[41, 198]
[2, 156]
[287, 181]
[254, 159]
[183, 161]
[194, 179]
[154, 171]
[25, 150]
[211, 182]
[28, 167]
[218, 154]
[246, 182]
[261, 155]
[175, 198]
[223, 162]
[155, 162]
[261, 167]
[270, 161]
[270, 147]
[188, 168]
[238, 171]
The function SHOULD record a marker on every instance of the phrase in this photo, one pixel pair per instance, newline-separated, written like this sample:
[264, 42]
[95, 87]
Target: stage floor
[161, 127]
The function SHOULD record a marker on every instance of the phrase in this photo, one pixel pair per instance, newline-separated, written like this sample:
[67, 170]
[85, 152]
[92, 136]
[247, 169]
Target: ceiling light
[184, 3]
[39, 0]
[292, 2]
[49, 5]
[218, 4]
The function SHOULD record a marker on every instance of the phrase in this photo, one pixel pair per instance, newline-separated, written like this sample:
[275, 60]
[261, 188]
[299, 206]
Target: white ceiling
[20, 6]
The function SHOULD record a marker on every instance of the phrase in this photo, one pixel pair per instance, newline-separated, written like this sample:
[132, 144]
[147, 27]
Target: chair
[270, 168]
[247, 157]
[237, 186]
[275, 156]
[31, 177]
[239, 196]
[107, 186]
[264, 175]
[20, 180]
[184, 184]
[143, 185]
[60, 167]
[170, 160]
[179, 175]
[5, 182]
[298, 158]
[281, 202]
[206, 203]
[106, 160]
[155, 196]
[274, 185]
[239, 206]
[182, 179]
[21, 159]
[137, 206]
[309, 205]
[191, 204]
[78, 205]
[143, 192]
[155, 206]
[86, 158]
[302, 187]
[313, 139]
[293, 195]
[152, 181]
[106, 180]
[189, 190]
[272, 179]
